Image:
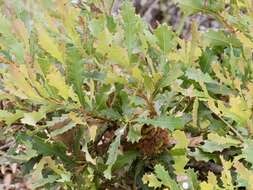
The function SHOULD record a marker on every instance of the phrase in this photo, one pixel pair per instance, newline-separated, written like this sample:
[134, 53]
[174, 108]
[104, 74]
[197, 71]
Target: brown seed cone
[153, 141]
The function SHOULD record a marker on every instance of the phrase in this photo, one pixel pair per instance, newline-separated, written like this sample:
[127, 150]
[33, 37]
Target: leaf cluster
[94, 100]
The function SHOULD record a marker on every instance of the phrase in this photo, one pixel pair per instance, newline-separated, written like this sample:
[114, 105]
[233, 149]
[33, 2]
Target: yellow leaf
[56, 80]
[244, 173]
[69, 16]
[119, 55]
[226, 176]
[206, 186]
[49, 44]
[217, 69]
[93, 132]
[16, 82]
[244, 40]
[113, 52]
[195, 112]
[181, 144]
[76, 118]
[151, 180]
[239, 109]
[21, 31]
[136, 72]
[211, 184]
[182, 141]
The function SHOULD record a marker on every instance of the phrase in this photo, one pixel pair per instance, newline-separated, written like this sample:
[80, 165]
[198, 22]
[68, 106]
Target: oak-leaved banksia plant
[94, 100]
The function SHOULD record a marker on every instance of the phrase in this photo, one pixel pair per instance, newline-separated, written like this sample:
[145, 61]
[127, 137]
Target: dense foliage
[93, 100]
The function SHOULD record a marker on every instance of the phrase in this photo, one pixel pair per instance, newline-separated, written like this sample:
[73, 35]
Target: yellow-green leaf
[49, 44]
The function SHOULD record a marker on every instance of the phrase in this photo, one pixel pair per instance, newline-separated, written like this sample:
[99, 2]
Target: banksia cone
[153, 141]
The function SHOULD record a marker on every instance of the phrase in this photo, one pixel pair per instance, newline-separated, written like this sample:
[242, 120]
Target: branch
[6, 61]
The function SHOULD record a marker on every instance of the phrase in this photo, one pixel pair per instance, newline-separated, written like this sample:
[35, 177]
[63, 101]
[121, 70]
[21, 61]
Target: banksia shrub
[95, 100]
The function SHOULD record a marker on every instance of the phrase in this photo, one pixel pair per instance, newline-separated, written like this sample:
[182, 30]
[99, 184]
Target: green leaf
[33, 117]
[113, 153]
[166, 180]
[165, 122]
[118, 55]
[5, 26]
[239, 110]
[26, 155]
[244, 174]
[219, 38]
[111, 25]
[134, 133]
[191, 6]
[10, 118]
[199, 155]
[125, 159]
[46, 148]
[165, 38]
[226, 176]
[197, 75]
[43, 181]
[218, 143]
[63, 129]
[132, 25]
[247, 151]
[75, 72]
[96, 26]
[88, 157]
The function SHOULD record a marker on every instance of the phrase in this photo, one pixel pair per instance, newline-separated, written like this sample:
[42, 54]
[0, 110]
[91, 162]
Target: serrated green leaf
[191, 6]
[197, 75]
[125, 159]
[10, 118]
[132, 25]
[97, 25]
[134, 133]
[46, 148]
[244, 174]
[165, 38]
[75, 73]
[247, 151]
[33, 117]
[166, 180]
[113, 153]
[218, 143]
[165, 122]
[219, 38]
[199, 155]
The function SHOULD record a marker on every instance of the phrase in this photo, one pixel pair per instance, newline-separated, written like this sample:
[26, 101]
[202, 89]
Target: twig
[6, 61]
[225, 23]
[240, 137]
[8, 145]
[220, 18]
[149, 102]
